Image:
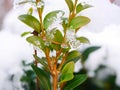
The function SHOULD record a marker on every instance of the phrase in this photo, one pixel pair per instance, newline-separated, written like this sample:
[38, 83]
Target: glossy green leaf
[58, 37]
[25, 33]
[51, 17]
[36, 41]
[78, 22]
[83, 40]
[69, 4]
[68, 68]
[67, 72]
[44, 79]
[76, 81]
[55, 47]
[88, 51]
[73, 56]
[66, 77]
[31, 21]
[41, 61]
[81, 7]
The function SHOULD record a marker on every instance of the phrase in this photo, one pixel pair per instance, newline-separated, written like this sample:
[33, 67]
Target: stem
[63, 61]
[37, 80]
[47, 53]
[40, 17]
[73, 13]
[55, 76]
[74, 10]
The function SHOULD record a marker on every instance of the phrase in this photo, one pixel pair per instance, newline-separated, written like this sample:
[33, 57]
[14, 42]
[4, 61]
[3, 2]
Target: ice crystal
[56, 21]
[50, 34]
[40, 4]
[71, 38]
[53, 53]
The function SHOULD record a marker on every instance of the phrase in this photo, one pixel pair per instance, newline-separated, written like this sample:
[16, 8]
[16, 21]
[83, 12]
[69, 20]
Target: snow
[104, 19]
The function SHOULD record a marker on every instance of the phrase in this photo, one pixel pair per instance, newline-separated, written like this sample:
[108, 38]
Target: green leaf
[66, 77]
[54, 46]
[83, 40]
[44, 79]
[25, 33]
[79, 21]
[28, 76]
[67, 72]
[69, 4]
[73, 56]
[30, 11]
[36, 41]
[58, 37]
[31, 21]
[65, 22]
[41, 61]
[76, 81]
[51, 17]
[81, 7]
[88, 51]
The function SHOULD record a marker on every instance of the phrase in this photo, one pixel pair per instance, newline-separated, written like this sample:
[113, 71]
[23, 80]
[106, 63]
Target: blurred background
[101, 56]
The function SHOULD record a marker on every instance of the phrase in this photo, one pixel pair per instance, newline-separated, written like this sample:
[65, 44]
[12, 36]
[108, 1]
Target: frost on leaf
[56, 24]
[56, 21]
[37, 43]
[71, 38]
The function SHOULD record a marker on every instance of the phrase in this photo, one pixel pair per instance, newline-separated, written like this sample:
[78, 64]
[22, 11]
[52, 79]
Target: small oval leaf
[36, 41]
[78, 22]
[76, 81]
[58, 37]
[25, 33]
[69, 4]
[31, 21]
[73, 56]
[83, 40]
[81, 7]
[67, 72]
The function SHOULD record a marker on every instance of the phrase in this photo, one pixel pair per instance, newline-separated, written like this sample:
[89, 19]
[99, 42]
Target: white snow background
[104, 30]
